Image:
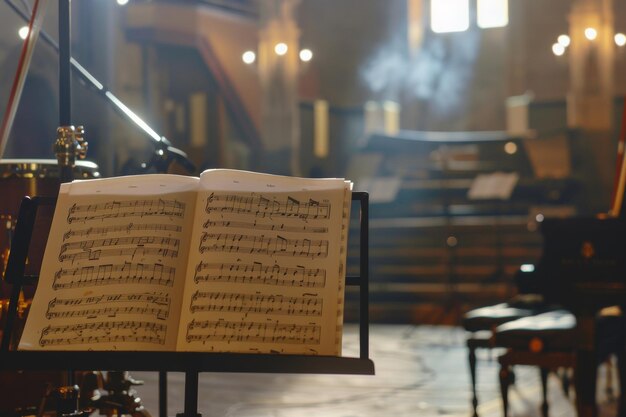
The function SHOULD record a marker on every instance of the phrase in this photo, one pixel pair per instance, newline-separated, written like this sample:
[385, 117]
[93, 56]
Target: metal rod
[364, 273]
[65, 94]
[191, 395]
[162, 394]
[65, 88]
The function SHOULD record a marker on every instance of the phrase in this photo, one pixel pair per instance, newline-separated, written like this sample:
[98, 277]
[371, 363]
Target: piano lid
[584, 262]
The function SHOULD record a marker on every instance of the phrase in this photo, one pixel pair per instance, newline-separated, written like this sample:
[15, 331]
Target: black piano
[584, 268]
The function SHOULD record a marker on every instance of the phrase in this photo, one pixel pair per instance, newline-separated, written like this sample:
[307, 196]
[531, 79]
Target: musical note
[262, 207]
[280, 246]
[252, 332]
[117, 209]
[257, 273]
[130, 227]
[150, 304]
[104, 332]
[121, 241]
[94, 255]
[110, 274]
[269, 304]
[265, 226]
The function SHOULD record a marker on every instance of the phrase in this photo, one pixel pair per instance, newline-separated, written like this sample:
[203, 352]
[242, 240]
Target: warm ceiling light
[510, 148]
[563, 40]
[620, 39]
[281, 48]
[122, 2]
[248, 57]
[558, 49]
[591, 33]
[306, 55]
[23, 32]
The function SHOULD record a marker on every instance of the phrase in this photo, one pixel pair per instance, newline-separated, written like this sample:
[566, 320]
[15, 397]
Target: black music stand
[192, 363]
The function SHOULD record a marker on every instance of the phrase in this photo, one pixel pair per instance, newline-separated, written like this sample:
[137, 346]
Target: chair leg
[609, 389]
[585, 381]
[621, 368]
[544, 392]
[472, 366]
[566, 381]
[505, 380]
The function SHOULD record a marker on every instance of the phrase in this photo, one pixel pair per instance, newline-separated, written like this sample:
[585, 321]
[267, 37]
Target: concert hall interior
[485, 141]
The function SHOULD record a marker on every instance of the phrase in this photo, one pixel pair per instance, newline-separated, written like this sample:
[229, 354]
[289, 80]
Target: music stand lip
[184, 362]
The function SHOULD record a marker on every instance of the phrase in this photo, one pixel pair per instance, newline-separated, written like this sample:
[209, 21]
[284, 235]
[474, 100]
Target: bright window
[492, 13]
[449, 15]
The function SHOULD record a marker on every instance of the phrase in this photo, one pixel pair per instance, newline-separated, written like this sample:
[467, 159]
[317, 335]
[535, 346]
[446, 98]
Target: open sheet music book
[232, 261]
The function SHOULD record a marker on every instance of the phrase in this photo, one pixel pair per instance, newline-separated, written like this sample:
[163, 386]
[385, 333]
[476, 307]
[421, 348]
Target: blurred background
[468, 122]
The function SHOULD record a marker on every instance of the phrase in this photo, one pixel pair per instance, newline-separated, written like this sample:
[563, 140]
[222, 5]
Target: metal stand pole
[66, 163]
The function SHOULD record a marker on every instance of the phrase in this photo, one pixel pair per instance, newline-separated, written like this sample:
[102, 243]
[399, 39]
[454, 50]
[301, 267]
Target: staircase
[436, 253]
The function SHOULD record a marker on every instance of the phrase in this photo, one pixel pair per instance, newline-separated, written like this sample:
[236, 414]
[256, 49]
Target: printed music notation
[95, 255]
[257, 273]
[111, 305]
[252, 332]
[263, 226]
[130, 227]
[121, 209]
[244, 269]
[280, 246]
[125, 273]
[270, 304]
[138, 241]
[103, 332]
[262, 207]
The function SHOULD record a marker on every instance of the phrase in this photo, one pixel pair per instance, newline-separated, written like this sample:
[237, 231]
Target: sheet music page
[114, 266]
[266, 269]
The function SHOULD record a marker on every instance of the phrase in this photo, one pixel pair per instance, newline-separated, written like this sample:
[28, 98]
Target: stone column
[590, 100]
[279, 85]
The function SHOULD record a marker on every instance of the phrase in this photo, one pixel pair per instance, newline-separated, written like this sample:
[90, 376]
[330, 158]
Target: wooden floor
[420, 371]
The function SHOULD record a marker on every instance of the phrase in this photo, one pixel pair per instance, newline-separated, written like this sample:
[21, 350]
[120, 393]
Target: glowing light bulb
[23, 32]
[510, 148]
[539, 218]
[248, 57]
[122, 2]
[306, 55]
[591, 33]
[281, 48]
[620, 39]
[558, 49]
[449, 15]
[563, 40]
[492, 13]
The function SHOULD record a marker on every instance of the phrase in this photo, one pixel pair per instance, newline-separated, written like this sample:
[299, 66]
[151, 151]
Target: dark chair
[548, 340]
[481, 322]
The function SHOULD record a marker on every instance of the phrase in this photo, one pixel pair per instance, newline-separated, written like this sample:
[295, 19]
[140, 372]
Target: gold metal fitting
[82, 144]
[68, 392]
[65, 146]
